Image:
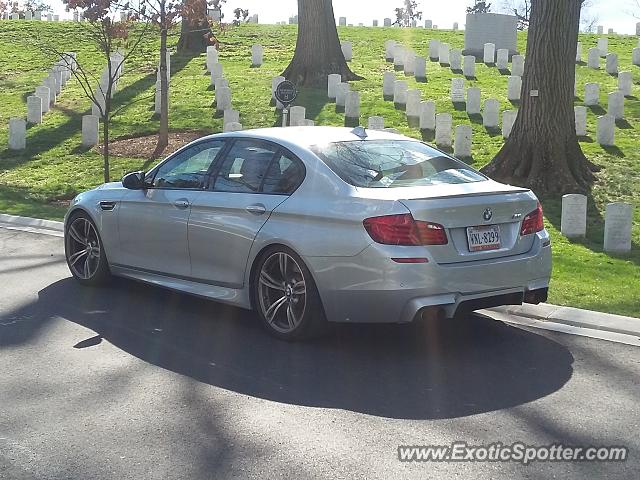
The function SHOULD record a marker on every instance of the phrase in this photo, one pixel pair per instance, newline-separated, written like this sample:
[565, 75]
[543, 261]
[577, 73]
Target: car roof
[308, 136]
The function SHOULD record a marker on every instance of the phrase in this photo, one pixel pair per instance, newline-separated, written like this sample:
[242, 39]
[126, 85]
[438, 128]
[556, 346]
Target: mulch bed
[145, 146]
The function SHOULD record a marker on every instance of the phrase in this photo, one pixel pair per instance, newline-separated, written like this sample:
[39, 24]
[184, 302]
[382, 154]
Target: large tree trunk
[195, 31]
[542, 152]
[318, 52]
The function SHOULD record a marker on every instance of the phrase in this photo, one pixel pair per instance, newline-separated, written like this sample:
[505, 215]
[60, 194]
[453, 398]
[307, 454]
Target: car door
[152, 223]
[252, 179]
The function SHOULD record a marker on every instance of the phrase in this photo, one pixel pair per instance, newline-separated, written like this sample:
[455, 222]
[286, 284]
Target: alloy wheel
[282, 292]
[83, 248]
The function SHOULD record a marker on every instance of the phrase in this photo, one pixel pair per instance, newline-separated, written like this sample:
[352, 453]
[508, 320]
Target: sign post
[286, 93]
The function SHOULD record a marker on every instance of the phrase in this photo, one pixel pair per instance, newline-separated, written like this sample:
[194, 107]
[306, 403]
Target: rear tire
[84, 251]
[285, 296]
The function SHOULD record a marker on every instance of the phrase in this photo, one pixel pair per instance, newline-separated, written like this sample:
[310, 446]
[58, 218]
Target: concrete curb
[17, 221]
[575, 317]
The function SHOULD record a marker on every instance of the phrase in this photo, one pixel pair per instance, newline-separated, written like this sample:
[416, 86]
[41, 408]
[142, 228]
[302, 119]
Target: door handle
[256, 209]
[181, 204]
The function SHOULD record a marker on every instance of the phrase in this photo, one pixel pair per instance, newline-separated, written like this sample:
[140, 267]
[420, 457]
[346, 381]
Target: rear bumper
[370, 287]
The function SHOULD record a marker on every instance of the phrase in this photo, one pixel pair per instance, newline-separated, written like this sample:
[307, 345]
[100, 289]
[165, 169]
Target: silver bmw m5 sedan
[309, 225]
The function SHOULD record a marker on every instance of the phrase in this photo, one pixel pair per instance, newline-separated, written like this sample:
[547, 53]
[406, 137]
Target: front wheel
[286, 296]
[84, 251]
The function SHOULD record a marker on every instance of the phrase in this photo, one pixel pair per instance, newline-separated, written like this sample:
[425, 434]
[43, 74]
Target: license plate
[484, 237]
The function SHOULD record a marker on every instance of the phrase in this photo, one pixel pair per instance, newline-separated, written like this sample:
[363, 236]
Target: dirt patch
[145, 146]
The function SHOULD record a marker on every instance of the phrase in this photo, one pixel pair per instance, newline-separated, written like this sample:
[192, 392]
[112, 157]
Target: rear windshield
[393, 163]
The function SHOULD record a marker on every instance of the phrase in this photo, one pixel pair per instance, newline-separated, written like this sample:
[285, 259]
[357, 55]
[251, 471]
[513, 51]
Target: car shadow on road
[424, 370]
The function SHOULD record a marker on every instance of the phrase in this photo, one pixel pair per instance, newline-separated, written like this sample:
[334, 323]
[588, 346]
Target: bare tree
[405, 16]
[543, 152]
[521, 9]
[318, 52]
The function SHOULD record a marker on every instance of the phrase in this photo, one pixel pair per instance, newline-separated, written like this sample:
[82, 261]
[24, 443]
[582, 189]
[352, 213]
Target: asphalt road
[132, 381]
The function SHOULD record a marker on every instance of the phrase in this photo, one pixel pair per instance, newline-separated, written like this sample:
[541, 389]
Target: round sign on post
[286, 93]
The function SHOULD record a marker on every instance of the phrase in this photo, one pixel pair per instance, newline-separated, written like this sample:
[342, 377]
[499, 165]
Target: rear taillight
[404, 230]
[533, 222]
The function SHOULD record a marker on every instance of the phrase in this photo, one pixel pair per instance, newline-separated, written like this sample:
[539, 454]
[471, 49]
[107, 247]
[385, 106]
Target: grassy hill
[53, 168]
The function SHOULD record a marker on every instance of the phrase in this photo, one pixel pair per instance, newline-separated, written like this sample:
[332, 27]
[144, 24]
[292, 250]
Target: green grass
[55, 168]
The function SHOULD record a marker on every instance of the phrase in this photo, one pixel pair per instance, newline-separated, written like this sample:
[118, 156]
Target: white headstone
[15, 16]
[257, 54]
[388, 80]
[389, 47]
[375, 23]
[49, 17]
[603, 46]
[347, 50]
[638, 29]
[635, 57]
[490, 114]
[212, 57]
[375, 123]
[37, 15]
[352, 105]
[399, 53]
[443, 53]
[578, 52]
[232, 127]
[221, 82]
[605, 130]
[428, 115]
[341, 94]
[17, 134]
[591, 94]
[625, 83]
[444, 122]
[98, 106]
[217, 71]
[34, 109]
[508, 119]
[28, 15]
[514, 88]
[573, 222]
[342, 21]
[455, 59]
[275, 81]
[617, 227]
[502, 59]
[593, 58]
[600, 29]
[455, 26]
[297, 115]
[473, 101]
[517, 65]
[414, 97]
[428, 24]
[489, 53]
[223, 99]
[387, 22]
[400, 92]
[434, 49]
[469, 66]
[50, 83]
[615, 105]
[308, 123]
[230, 116]
[580, 114]
[90, 126]
[457, 90]
[611, 65]
[410, 63]
[462, 142]
[43, 93]
[333, 80]
[421, 69]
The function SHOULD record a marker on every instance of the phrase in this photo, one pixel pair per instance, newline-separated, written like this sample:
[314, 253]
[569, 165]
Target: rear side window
[258, 167]
[393, 163]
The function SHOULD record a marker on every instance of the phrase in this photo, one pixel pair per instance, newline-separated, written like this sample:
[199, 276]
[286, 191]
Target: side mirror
[134, 181]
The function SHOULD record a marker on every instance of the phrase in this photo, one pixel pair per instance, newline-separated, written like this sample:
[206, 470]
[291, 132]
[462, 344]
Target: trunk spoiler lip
[468, 194]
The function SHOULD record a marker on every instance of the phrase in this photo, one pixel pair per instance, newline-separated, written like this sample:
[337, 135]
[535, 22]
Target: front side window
[245, 166]
[393, 163]
[188, 169]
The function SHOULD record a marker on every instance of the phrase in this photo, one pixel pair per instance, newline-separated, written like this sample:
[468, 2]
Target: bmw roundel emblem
[487, 214]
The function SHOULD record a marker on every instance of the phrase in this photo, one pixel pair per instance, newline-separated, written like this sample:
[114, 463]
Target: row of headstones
[387, 22]
[223, 96]
[42, 100]
[28, 15]
[405, 59]
[617, 222]
[91, 123]
[605, 127]
[602, 51]
[600, 30]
